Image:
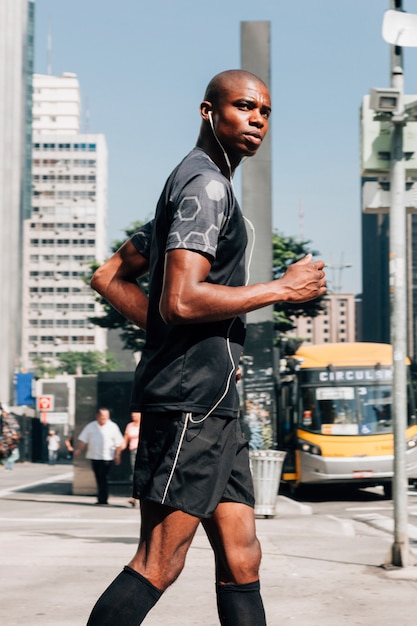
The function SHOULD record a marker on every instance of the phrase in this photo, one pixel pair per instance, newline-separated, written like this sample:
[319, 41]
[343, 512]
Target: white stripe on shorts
[174, 465]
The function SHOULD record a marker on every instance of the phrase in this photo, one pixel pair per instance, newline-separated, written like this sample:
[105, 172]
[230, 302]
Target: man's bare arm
[115, 280]
[80, 447]
[188, 298]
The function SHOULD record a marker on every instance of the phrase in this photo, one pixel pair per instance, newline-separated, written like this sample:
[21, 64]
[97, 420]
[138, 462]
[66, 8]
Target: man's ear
[205, 108]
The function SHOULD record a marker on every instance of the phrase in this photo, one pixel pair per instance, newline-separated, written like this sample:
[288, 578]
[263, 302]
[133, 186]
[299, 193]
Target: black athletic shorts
[192, 465]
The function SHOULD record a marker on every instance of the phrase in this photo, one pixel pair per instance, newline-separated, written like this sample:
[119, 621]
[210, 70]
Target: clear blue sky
[143, 67]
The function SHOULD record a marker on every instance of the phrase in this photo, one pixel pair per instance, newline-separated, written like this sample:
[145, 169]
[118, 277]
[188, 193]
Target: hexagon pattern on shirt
[215, 190]
[205, 234]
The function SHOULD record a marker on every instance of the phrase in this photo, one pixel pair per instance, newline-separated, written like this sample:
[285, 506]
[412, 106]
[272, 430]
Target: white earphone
[210, 117]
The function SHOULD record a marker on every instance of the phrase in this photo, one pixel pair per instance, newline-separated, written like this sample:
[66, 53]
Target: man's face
[103, 417]
[241, 117]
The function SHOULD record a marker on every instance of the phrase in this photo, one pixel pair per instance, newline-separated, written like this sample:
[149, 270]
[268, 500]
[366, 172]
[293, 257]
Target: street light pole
[400, 553]
[398, 29]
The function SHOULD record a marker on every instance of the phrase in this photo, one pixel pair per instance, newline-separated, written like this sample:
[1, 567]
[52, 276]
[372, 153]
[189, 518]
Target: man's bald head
[221, 83]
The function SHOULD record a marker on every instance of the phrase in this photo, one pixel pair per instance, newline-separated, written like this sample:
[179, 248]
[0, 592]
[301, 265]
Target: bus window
[329, 410]
[375, 409]
[364, 410]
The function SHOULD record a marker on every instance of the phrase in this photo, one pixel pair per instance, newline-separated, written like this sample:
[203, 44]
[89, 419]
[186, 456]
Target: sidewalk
[59, 551]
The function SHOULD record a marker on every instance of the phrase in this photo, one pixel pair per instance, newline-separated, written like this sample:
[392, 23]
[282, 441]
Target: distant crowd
[9, 438]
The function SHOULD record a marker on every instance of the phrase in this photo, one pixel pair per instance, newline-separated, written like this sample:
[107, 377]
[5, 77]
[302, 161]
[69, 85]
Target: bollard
[266, 467]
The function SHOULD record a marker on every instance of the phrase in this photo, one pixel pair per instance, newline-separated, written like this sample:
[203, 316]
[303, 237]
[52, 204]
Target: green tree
[131, 335]
[42, 369]
[90, 362]
[287, 250]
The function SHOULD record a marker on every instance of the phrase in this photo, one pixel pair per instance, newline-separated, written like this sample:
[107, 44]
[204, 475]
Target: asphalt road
[321, 566]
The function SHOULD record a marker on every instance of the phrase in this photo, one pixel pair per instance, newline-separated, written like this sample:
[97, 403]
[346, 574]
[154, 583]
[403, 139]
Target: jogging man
[193, 463]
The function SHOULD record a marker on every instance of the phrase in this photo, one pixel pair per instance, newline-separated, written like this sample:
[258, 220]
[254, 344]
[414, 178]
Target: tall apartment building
[16, 68]
[67, 229]
[336, 324]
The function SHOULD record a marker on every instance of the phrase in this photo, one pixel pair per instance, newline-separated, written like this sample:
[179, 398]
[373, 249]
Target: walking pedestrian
[13, 457]
[192, 464]
[69, 444]
[54, 441]
[131, 440]
[104, 441]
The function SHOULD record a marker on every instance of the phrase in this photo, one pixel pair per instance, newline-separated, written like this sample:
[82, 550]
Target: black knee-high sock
[240, 605]
[125, 602]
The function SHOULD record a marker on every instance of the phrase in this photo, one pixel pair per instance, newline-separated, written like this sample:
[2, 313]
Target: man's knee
[232, 534]
[243, 564]
[250, 558]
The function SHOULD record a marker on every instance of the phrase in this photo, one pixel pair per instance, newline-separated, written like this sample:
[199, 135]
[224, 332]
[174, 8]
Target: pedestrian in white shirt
[104, 442]
[54, 443]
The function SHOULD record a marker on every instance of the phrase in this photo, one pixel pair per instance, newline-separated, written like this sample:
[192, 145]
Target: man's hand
[81, 446]
[304, 280]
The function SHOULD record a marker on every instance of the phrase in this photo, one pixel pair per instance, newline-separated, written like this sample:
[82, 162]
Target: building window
[47, 323]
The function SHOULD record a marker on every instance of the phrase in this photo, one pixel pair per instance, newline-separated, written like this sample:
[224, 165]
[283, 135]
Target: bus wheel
[387, 487]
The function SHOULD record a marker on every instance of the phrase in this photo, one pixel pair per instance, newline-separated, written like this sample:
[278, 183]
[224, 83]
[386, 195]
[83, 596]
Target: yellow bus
[334, 416]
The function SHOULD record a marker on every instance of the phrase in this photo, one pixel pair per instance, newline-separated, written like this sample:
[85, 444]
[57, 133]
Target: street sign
[45, 403]
[57, 418]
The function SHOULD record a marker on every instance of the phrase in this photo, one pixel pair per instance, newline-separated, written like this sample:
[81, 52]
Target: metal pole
[396, 52]
[400, 549]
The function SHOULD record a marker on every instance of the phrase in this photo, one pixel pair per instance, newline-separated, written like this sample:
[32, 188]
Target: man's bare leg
[232, 535]
[166, 535]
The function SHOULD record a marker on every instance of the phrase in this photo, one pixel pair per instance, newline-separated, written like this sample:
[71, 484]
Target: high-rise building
[376, 199]
[67, 229]
[16, 68]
